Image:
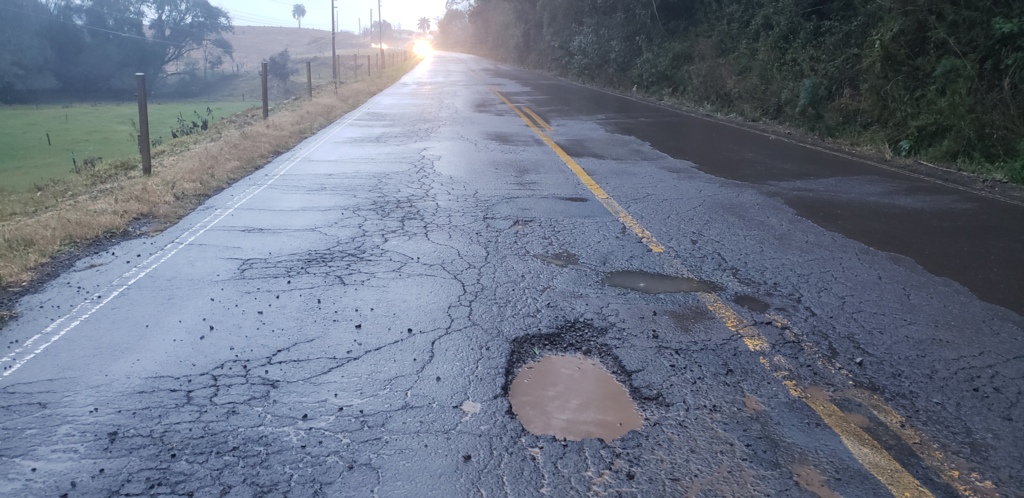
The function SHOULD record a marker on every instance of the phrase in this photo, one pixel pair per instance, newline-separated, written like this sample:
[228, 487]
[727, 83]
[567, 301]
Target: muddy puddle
[561, 259]
[656, 283]
[572, 398]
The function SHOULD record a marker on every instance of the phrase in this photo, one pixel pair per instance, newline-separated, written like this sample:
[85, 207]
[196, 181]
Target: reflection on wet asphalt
[654, 283]
[361, 318]
[562, 258]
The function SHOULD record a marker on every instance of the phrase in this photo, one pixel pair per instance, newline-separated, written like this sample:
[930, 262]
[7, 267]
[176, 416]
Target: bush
[279, 66]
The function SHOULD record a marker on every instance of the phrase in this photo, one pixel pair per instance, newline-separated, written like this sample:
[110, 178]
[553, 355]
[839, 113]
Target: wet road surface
[349, 320]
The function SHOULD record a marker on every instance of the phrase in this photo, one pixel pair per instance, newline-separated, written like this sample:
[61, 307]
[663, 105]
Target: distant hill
[253, 44]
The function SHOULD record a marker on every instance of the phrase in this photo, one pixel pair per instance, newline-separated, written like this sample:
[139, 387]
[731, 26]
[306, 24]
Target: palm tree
[298, 12]
[424, 24]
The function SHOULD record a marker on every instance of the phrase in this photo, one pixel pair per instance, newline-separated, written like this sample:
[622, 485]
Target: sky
[279, 12]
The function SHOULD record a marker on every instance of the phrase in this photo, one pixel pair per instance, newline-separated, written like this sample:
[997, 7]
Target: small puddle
[656, 283]
[859, 420]
[562, 259]
[520, 224]
[811, 480]
[753, 404]
[573, 398]
[751, 303]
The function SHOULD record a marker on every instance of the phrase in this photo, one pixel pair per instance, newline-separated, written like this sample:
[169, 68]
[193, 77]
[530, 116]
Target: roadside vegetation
[47, 142]
[938, 80]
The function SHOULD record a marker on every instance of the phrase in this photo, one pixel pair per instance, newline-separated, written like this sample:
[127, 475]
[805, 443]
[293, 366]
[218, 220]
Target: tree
[96, 43]
[279, 66]
[298, 12]
[423, 24]
[453, 30]
[181, 27]
[213, 53]
[25, 57]
[381, 30]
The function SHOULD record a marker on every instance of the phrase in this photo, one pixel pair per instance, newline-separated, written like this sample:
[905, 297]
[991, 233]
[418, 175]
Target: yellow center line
[537, 119]
[866, 450]
[589, 182]
[970, 484]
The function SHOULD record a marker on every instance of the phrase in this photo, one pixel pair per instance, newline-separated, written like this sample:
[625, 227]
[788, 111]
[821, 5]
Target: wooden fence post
[266, 102]
[147, 162]
[309, 78]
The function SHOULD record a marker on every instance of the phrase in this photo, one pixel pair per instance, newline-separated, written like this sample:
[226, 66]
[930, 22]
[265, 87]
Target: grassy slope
[86, 130]
[254, 44]
[105, 129]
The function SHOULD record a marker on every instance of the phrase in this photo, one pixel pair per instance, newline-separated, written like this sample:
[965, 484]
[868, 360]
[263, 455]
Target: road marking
[537, 119]
[87, 308]
[589, 182]
[871, 455]
[968, 483]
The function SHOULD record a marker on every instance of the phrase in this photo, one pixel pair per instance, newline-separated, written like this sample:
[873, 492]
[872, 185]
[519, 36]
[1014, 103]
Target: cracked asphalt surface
[314, 329]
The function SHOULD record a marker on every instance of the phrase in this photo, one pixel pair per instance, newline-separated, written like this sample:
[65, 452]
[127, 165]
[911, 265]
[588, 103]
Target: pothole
[520, 224]
[751, 303]
[656, 283]
[561, 259]
[572, 398]
[575, 339]
[575, 199]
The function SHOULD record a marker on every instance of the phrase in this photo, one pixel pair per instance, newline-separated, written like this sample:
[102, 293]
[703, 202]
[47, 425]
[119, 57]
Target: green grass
[86, 130]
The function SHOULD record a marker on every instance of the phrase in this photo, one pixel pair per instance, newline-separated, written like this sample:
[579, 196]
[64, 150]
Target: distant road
[346, 321]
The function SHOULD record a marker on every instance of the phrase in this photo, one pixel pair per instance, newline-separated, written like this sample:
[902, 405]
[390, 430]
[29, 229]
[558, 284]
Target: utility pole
[380, 37]
[334, 50]
[370, 33]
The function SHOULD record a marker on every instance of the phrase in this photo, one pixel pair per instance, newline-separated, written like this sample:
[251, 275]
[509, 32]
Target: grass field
[85, 130]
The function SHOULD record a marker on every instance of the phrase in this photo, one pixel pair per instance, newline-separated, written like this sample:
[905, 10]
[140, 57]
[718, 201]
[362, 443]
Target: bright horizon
[350, 13]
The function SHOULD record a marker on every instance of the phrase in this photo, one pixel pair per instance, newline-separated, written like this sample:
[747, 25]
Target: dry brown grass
[36, 226]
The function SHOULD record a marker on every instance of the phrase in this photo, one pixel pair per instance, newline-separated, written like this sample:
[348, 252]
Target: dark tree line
[940, 79]
[93, 47]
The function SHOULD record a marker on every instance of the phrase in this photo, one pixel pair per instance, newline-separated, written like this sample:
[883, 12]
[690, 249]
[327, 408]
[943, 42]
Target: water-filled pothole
[751, 303]
[656, 283]
[562, 258]
[573, 398]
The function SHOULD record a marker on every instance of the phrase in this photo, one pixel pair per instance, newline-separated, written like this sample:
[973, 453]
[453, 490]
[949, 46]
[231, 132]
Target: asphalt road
[317, 329]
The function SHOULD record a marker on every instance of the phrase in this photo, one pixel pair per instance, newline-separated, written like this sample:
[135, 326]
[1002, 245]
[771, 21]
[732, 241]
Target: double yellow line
[589, 182]
[864, 448]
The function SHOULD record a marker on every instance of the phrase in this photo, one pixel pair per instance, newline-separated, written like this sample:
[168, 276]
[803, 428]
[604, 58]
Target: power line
[83, 26]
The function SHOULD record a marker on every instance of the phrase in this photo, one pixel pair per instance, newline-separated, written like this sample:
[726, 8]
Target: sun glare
[422, 48]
